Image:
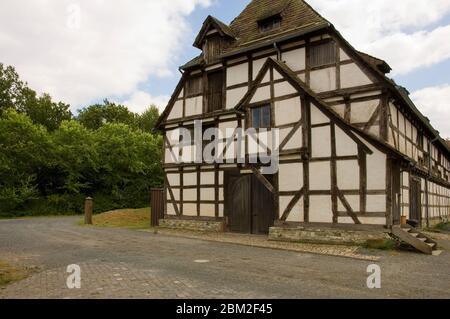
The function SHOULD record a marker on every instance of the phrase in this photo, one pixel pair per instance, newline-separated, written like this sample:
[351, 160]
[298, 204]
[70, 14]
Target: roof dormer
[214, 37]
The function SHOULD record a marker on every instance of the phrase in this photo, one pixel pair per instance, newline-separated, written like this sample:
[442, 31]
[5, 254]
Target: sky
[83, 51]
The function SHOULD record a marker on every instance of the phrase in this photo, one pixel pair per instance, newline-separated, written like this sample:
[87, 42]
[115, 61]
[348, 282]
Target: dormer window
[269, 24]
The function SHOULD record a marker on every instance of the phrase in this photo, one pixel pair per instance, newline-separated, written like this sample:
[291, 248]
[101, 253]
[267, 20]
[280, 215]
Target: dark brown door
[415, 200]
[249, 205]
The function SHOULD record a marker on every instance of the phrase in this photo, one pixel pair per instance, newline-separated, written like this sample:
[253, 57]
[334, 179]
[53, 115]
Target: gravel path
[118, 263]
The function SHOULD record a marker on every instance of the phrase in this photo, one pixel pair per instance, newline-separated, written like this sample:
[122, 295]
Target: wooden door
[237, 201]
[263, 208]
[415, 200]
[249, 205]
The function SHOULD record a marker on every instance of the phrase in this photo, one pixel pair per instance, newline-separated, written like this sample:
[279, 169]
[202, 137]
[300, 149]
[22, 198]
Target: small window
[194, 86]
[323, 54]
[270, 24]
[261, 117]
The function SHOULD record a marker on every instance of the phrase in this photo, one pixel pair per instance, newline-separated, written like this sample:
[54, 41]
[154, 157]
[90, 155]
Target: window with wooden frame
[215, 91]
[269, 24]
[194, 85]
[322, 54]
[260, 117]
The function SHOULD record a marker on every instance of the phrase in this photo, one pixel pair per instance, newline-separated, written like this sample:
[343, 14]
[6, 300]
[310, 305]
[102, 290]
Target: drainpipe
[275, 45]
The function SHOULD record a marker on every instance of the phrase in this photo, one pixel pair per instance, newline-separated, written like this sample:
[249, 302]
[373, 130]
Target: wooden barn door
[249, 205]
[415, 200]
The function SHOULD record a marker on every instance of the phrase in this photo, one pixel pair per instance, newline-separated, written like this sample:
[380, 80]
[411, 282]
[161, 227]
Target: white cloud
[392, 30]
[434, 102]
[105, 50]
[139, 101]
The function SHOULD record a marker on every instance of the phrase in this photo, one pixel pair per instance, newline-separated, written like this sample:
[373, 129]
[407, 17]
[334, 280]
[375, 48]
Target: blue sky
[434, 75]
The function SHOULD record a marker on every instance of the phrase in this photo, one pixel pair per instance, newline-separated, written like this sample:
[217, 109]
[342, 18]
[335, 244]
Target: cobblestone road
[117, 263]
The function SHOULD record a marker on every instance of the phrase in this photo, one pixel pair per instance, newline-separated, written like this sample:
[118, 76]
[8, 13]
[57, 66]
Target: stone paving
[118, 263]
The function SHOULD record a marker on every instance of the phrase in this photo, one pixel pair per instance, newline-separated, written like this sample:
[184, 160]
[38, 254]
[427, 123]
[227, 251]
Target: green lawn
[123, 218]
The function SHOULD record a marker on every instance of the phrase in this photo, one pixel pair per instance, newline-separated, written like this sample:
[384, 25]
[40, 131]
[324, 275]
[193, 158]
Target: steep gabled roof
[209, 24]
[296, 15]
[197, 61]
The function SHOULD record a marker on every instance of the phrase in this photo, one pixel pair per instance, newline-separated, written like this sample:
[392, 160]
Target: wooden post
[88, 209]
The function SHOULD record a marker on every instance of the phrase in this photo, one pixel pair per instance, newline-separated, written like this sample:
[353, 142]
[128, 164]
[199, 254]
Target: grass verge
[10, 274]
[381, 244]
[123, 218]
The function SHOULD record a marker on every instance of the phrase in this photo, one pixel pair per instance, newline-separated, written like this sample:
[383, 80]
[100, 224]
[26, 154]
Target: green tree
[95, 116]
[14, 94]
[147, 120]
[25, 147]
[45, 112]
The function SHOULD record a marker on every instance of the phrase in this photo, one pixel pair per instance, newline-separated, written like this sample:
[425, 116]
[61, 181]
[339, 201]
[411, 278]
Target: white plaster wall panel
[297, 214]
[176, 194]
[408, 129]
[207, 210]
[302, 77]
[345, 146]
[189, 209]
[401, 123]
[235, 96]
[207, 178]
[376, 203]
[221, 194]
[317, 117]
[276, 75]
[295, 142]
[257, 66]
[354, 202]
[320, 209]
[169, 157]
[409, 148]
[339, 109]
[362, 111]
[374, 130]
[181, 94]
[393, 110]
[320, 175]
[226, 129]
[344, 56]
[290, 177]
[284, 202]
[323, 80]
[207, 194]
[402, 147]
[261, 94]
[376, 171]
[174, 179]
[390, 136]
[188, 154]
[221, 210]
[190, 179]
[173, 136]
[295, 59]
[348, 175]
[321, 142]
[221, 177]
[237, 74]
[364, 220]
[171, 210]
[352, 76]
[190, 194]
[405, 179]
[287, 111]
[194, 106]
[284, 88]
[177, 111]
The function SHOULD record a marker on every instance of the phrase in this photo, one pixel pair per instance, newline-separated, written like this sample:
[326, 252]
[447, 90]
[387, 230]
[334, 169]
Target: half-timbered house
[353, 148]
